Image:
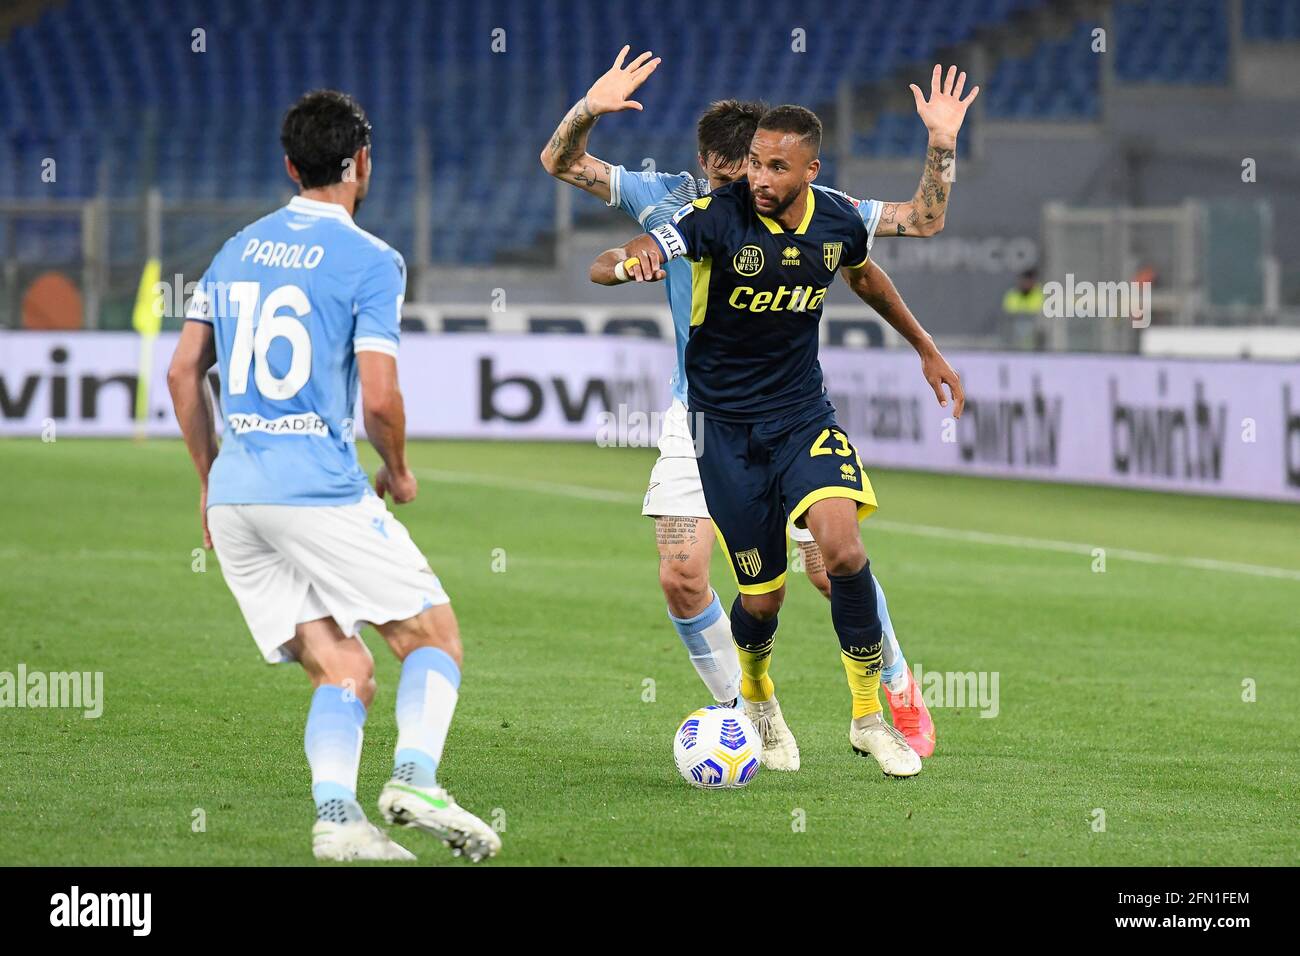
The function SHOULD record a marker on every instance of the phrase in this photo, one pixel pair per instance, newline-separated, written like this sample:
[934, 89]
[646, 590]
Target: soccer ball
[717, 747]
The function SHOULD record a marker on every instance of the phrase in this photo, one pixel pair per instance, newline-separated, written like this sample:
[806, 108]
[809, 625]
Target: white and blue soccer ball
[717, 747]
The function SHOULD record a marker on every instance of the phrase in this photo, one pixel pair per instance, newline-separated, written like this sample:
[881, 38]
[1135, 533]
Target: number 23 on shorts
[836, 442]
[819, 446]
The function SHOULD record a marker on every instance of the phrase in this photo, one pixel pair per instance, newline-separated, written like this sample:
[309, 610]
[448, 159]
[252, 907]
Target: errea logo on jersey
[284, 255]
[790, 256]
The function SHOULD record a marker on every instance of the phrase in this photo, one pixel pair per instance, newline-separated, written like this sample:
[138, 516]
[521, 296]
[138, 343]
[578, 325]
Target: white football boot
[780, 752]
[871, 735]
[354, 840]
[433, 810]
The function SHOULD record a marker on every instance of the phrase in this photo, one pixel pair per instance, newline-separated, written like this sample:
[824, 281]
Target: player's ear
[292, 171]
[363, 163]
[813, 169]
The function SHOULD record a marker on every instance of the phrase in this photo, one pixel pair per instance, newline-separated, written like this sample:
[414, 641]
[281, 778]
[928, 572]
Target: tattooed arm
[565, 156]
[872, 285]
[923, 215]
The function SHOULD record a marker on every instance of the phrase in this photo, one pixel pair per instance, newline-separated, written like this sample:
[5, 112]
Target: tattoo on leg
[812, 557]
[676, 537]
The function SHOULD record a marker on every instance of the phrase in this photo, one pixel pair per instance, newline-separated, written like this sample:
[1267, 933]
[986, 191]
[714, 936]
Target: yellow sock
[864, 683]
[755, 685]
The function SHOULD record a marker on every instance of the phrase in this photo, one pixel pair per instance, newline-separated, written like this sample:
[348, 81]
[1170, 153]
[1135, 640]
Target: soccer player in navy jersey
[675, 498]
[762, 251]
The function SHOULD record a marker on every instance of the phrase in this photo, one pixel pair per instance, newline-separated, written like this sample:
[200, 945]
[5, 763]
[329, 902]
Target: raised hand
[943, 113]
[610, 93]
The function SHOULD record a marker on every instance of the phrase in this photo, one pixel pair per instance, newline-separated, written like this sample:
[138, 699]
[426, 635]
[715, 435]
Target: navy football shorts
[758, 475]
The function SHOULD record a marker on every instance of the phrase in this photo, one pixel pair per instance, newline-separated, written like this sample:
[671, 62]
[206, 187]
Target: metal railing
[1196, 263]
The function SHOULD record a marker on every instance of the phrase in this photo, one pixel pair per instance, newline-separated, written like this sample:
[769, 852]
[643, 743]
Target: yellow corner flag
[147, 320]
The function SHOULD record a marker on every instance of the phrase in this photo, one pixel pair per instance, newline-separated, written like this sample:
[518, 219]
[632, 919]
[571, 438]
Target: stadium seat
[1171, 42]
[204, 125]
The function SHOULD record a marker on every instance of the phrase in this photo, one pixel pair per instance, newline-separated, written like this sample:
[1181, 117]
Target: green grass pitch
[1119, 691]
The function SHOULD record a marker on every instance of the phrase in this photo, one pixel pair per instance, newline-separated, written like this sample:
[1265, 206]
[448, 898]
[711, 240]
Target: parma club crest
[831, 252]
[751, 562]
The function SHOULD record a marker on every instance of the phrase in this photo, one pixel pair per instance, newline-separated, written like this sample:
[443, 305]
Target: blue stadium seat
[1057, 80]
[115, 83]
[1270, 20]
[1171, 42]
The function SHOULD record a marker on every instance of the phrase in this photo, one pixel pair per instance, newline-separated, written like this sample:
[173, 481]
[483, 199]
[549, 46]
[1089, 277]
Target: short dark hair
[794, 119]
[320, 131]
[726, 128]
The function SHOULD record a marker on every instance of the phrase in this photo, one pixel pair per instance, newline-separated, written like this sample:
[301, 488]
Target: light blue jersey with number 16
[291, 299]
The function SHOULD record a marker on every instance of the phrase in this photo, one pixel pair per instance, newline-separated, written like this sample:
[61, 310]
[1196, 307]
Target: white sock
[893, 673]
[333, 743]
[707, 637]
[426, 699]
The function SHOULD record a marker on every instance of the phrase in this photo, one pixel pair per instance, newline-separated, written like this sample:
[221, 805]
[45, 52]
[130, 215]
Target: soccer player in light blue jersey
[675, 497]
[298, 310]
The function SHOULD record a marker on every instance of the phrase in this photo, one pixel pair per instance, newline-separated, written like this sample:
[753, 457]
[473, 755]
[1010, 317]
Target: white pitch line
[1074, 547]
[606, 496]
[581, 492]
[585, 493]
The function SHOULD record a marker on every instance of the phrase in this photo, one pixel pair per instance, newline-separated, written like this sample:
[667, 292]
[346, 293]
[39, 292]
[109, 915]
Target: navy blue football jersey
[756, 297]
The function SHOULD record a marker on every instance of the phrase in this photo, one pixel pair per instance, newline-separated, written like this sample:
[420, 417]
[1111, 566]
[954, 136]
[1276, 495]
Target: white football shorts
[287, 564]
[675, 489]
[801, 535]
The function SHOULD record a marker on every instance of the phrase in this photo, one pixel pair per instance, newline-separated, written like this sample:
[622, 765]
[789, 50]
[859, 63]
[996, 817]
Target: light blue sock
[894, 664]
[708, 641]
[333, 743]
[426, 700]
